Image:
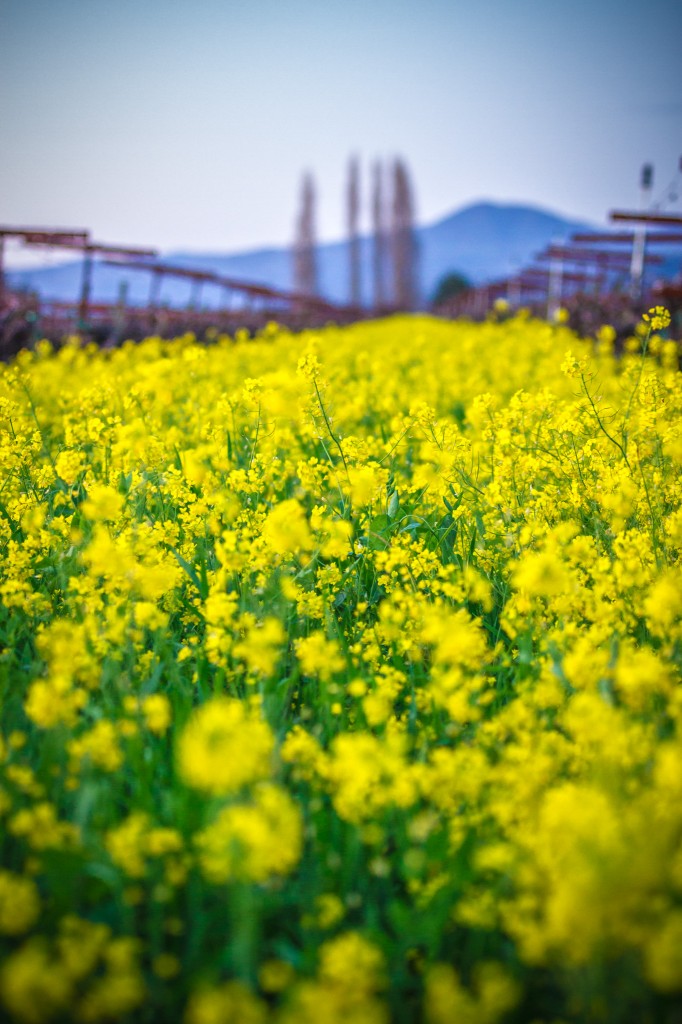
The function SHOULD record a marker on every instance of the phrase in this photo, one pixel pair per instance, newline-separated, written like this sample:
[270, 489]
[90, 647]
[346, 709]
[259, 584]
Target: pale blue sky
[188, 124]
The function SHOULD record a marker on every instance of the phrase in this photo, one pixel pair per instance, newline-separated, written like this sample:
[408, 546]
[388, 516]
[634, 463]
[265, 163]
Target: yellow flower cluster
[658, 317]
[224, 747]
[340, 677]
[85, 973]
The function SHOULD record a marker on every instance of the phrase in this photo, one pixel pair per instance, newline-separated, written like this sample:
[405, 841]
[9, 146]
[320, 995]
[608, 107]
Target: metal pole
[86, 285]
[154, 287]
[554, 286]
[120, 314]
[195, 295]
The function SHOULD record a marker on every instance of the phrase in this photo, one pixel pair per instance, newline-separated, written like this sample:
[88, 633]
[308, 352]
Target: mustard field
[340, 678]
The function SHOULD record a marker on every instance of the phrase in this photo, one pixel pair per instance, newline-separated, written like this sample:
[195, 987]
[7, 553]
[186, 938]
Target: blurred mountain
[483, 241]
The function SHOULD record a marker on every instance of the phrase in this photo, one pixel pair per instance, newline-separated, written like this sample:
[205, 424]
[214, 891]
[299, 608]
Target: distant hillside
[483, 241]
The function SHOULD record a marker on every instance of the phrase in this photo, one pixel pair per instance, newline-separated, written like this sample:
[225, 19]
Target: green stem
[603, 429]
[626, 419]
[654, 537]
[329, 426]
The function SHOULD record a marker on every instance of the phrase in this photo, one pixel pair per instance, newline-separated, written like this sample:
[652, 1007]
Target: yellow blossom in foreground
[351, 960]
[103, 502]
[319, 656]
[664, 954]
[100, 746]
[224, 747]
[658, 318]
[286, 529]
[19, 903]
[225, 1003]
[447, 999]
[157, 712]
[251, 842]
[33, 986]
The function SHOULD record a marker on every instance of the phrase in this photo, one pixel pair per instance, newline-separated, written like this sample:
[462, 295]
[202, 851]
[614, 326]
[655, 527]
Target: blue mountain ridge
[483, 241]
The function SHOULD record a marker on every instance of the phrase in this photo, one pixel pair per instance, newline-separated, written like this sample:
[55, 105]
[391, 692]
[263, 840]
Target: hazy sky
[188, 123]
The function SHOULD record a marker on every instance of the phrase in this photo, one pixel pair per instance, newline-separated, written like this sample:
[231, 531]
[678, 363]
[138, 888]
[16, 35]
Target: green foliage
[449, 287]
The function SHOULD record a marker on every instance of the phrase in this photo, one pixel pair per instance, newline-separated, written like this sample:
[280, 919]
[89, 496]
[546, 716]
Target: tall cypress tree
[353, 225]
[379, 240]
[305, 254]
[403, 240]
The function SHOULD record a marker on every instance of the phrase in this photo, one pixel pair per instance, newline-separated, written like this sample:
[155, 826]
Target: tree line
[394, 253]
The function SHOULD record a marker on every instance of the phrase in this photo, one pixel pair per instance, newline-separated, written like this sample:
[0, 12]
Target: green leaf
[379, 532]
[393, 503]
[201, 585]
